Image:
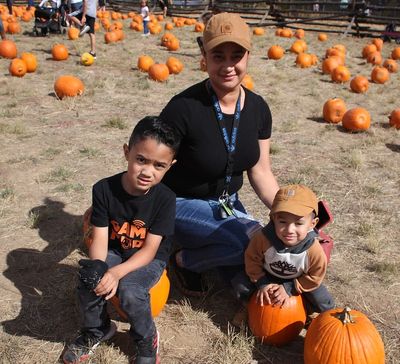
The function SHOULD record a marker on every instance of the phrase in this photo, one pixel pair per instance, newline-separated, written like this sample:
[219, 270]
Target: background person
[212, 226]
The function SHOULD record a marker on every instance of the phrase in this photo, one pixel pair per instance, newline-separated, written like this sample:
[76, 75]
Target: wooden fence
[363, 18]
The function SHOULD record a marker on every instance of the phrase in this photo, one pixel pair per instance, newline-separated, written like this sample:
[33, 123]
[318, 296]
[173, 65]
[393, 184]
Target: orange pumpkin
[276, 325]
[199, 27]
[374, 58]
[159, 72]
[59, 52]
[394, 118]
[340, 74]
[158, 297]
[357, 119]
[322, 37]
[343, 336]
[110, 37]
[169, 26]
[26, 17]
[378, 43]
[334, 110]
[380, 74]
[73, 33]
[8, 49]
[391, 65]
[166, 38]
[173, 44]
[396, 53]
[68, 86]
[174, 65]
[286, 33]
[17, 67]
[30, 61]
[14, 28]
[248, 82]
[340, 47]
[369, 48]
[359, 84]
[144, 63]
[329, 64]
[335, 52]
[258, 31]
[275, 52]
[299, 33]
[304, 60]
[299, 46]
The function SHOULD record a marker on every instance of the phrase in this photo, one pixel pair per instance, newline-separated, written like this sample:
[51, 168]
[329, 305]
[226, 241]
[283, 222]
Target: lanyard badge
[225, 207]
[225, 204]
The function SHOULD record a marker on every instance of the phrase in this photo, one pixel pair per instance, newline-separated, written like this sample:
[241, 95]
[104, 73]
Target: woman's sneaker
[84, 345]
[189, 283]
[147, 350]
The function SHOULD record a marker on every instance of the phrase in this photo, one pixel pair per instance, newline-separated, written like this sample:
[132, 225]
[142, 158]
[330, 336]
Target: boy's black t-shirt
[202, 157]
[129, 218]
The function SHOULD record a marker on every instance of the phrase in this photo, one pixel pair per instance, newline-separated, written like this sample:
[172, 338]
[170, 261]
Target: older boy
[285, 257]
[132, 216]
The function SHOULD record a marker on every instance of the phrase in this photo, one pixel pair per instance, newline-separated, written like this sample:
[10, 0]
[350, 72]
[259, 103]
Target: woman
[212, 117]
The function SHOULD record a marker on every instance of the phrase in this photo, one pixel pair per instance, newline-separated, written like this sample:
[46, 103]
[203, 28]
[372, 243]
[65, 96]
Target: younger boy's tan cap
[226, 27]
[298, 200]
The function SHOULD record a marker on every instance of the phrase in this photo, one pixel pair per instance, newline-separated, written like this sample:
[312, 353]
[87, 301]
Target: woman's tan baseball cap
[226, 27]
[298, 200]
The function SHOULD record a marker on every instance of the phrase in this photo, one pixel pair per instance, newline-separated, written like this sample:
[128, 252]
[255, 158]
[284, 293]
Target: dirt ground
[52, 151]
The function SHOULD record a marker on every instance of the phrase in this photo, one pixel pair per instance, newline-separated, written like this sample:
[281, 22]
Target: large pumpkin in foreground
[277, 325]
[158, 293]
[68, 86]
[343, 336]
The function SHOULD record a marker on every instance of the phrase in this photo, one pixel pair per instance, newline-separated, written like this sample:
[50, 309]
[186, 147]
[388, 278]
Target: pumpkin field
[54, 146]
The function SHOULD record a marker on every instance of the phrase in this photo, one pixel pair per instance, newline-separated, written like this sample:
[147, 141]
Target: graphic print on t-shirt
[130, 235]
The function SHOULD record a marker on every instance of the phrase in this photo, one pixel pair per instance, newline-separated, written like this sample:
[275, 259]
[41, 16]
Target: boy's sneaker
[84, 345]
[93, 54]
[147, 350]
[84, 30]
[190, 283]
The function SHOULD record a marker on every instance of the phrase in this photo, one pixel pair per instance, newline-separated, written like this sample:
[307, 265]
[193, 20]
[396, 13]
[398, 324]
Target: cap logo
[226, 28]
[290, 193]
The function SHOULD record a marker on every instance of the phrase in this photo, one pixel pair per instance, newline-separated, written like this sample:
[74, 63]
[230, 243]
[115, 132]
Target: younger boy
[132, 216]
[285, 258]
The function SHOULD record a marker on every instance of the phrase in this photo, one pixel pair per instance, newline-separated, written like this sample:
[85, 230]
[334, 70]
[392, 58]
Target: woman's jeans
[207, 240]
[134, 297]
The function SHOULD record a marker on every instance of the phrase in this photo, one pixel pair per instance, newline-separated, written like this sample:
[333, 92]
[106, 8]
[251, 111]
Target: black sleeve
[265, 126]
[99, 216]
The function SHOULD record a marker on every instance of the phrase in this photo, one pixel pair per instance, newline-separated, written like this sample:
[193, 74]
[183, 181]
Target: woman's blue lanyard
[230, 142]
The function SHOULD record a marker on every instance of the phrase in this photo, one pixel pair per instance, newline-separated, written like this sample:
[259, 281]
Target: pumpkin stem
[345, 316]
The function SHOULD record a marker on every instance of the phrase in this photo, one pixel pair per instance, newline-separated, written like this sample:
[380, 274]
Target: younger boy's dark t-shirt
[129, 218]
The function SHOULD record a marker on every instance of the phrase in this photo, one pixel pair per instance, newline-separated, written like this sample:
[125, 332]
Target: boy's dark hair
[153, 127]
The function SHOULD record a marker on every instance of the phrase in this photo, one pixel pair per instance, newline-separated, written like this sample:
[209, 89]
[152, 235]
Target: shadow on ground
[47, 286]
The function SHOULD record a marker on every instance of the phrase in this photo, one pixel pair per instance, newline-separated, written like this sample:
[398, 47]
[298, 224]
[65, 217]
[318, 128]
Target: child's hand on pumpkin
[263, 296]
[277, 294]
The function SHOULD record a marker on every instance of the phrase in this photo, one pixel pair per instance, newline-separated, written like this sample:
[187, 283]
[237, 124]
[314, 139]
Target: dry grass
[53, 151]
